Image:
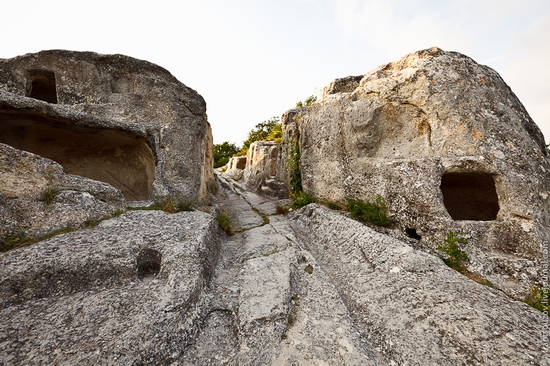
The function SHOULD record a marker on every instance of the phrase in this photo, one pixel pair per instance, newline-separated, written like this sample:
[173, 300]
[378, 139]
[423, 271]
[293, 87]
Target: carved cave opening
[118, 158]
[470, 196]
[41, 85]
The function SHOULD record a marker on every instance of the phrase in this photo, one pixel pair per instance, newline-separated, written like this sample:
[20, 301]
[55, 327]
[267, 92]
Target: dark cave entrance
[118, 158]
[470, 196]
[41, 85]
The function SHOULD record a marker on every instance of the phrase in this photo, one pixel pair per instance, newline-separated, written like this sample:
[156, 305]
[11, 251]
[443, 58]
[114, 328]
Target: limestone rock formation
[315, 288]
[129, 291]
[261, 169]
[237, 162]
[442, 139]
[111, 118]
[410, 307]
[235, 167]
[36, 197]
[449, 147]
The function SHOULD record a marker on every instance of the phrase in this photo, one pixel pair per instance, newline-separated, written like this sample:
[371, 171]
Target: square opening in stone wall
[41, 85]
[470, 196]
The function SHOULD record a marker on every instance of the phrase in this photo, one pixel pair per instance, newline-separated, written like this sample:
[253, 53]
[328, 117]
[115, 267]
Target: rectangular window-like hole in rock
[470, 196]
[41, 85]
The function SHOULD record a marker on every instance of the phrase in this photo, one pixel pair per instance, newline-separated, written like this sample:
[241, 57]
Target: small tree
[266, 130]
[307, 102]
[223, 152]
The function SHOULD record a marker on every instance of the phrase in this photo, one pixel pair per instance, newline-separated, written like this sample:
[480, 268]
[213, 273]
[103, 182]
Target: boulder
[448, 146]
[410, 307]
[261, 169]
[128, 292]
[111, 118]
[37, 197]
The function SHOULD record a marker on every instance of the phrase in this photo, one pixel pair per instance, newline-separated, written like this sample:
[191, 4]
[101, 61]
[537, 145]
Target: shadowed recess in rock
[470, 196]
[148, 263]
[119, 158]
[41, 85]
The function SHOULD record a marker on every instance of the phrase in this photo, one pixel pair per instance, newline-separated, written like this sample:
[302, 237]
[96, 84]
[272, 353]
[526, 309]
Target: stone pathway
[269, 305]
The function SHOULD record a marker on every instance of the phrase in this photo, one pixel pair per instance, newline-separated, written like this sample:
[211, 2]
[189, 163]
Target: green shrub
[539, 298]
[276, 133]
[456, 257]
[373, 212]
[223, 152]
[225, 222]
[293, 169]
[266, 130]
[310, 100]
[301, 199]
[307, 102]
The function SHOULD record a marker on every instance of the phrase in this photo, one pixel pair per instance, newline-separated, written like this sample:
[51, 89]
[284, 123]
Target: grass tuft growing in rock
[455, 256]
[373, 212]
[225, 223]
[21, 239]
[281, 210]
[169, 204]
[93, 223]
[331, 205]
[48, 195]
[301, 199]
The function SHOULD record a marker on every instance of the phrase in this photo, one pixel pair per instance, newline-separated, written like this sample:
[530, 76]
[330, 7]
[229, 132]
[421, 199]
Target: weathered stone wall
[409, 123]
[235, 167]
[36, 197]
[100, 115]
[261, 169]
[289, 146]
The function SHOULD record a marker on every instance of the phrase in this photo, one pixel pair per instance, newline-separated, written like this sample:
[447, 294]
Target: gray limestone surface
[37, 197]
[111, 118]
[448, 146]
[411, 307]
[127, 292]
[311, 288]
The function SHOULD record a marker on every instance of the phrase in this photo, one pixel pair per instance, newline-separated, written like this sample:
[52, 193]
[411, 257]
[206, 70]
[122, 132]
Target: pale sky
[253, 59]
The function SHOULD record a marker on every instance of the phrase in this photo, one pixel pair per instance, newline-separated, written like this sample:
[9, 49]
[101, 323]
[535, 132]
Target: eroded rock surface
[37, 197]
[235, 167]
[129, 291]
[449, 147]
[411, 307]
[314, 288]
[111, 118]
[261, 169]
